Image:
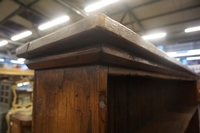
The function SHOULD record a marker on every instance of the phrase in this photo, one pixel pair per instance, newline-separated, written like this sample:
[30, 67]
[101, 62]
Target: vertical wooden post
[70, 100]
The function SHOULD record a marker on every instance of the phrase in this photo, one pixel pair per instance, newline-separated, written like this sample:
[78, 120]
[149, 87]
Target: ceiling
[142, 16]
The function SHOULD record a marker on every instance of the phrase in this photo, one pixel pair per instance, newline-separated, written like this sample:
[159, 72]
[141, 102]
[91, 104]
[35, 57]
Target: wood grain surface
[70, 100]
[94, 30]
[97, 76]
[150, 105]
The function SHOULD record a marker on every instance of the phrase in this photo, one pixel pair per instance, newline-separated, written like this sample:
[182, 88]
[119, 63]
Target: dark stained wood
[70, 104]
[198, 89]
[111, 106]
[20, 123]
[82, 56]
[103, 53]
[132, 102]
[121, 106]
[119, 57]
[136, 102]
[170, 122]
[103, 30]
[193, 126]
[124, 71]
[97, 76]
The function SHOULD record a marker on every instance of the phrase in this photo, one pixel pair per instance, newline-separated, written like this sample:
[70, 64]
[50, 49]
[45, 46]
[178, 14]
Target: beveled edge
[101, 22]
[103, 54]
[83, 25]
[134, 38]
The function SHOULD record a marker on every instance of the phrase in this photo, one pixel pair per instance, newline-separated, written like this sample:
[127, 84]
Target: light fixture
[3, 42]
[17, 62]
[178, 59]
[181, 54]
[193, 58]
[99, 4]
[172, 54]
[54, 22]
[25, 83]
[21, 59]
[154, 36]
[192, 29]
[2, 60]
[20, 84]
[21, 35]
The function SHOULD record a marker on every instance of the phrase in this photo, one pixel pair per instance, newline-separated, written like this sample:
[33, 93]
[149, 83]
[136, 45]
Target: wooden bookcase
[97, 76]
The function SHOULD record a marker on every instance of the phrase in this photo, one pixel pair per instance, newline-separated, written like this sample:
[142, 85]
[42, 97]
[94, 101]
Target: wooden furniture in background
[97, 76]
[21, 108]
[20, 123]
[8, 76]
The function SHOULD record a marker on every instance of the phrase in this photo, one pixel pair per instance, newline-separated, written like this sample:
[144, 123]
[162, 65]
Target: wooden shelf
[77, 90]
[15, 71]
[175, 121]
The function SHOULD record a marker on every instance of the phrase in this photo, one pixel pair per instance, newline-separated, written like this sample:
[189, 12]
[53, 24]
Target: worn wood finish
[134, 102]
[73, 100]
[20, 123]
[170, 122]
[125, 71]
[97, 76]
[198, 89]
[93, 30]
[106, 54]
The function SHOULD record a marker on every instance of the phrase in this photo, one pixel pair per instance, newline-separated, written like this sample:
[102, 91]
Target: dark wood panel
[82, 56]
[121, 105]
[193, 126]
[175, 121]
[132, 103]
[127, 71]
[111, 106]
[71, 100]
[135, 102]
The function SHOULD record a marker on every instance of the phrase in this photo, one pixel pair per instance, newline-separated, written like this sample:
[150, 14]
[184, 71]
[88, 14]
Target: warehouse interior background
[168, 19]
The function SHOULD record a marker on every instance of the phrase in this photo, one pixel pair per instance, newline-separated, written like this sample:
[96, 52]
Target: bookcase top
[93, 30]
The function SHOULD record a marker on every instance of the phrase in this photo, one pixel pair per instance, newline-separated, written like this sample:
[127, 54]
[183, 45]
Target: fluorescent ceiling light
[17, 62]
[54, 22]
[178, 59]
[21, 35]
[188, 53]
[21, 59]
[2, 60]
[192, 29]
[193, 58]
[172, 54]
[99, 4]
[154, 36]
[4, 42]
